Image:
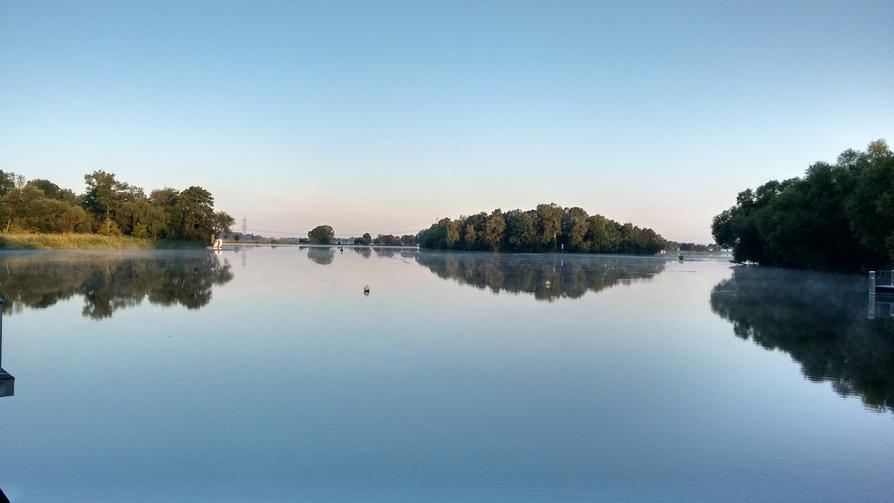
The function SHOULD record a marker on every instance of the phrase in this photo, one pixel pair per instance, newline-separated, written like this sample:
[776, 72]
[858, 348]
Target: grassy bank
[31, 241]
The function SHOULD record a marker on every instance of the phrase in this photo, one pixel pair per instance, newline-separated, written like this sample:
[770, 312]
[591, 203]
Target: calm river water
[262, 374]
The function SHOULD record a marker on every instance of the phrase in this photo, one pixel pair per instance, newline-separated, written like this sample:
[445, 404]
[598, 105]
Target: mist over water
[821, 320]
[268, 374]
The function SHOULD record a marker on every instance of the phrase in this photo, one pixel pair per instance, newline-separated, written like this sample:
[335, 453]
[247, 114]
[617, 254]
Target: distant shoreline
[86, 241]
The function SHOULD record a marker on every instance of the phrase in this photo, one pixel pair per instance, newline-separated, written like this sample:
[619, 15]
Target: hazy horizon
[381, 118]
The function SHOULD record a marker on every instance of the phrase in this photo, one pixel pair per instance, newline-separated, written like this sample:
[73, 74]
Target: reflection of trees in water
[568, 276]
[820, 320]
[111, 281]
[365, 251]
[385, 252]
[321, 255]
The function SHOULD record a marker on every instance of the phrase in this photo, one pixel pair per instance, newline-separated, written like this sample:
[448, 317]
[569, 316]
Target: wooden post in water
[7, 382]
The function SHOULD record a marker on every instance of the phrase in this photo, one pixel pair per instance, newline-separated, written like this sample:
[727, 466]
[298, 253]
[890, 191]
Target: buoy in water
[547, 284]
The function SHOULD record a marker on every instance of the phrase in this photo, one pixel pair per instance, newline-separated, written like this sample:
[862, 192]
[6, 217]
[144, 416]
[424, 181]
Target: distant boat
[217, 244]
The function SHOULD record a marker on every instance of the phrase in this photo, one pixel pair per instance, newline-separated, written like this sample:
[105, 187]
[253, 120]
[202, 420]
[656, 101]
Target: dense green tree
[108, 207]
[221, 223]
[195, 209]
[494, 229]
[549, 224]
[7, 182]
[521, 230]
[53, 191]
[603, 234]
[574, 229]
[51, 215]
[469, 236]
[105, 194]
[869, 208]
[452, 232]
[20, 205]
[838, 216]
[387, 240]
[321, 234]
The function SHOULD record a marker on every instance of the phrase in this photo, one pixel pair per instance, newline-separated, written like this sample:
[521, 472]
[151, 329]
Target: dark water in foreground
[267, 375]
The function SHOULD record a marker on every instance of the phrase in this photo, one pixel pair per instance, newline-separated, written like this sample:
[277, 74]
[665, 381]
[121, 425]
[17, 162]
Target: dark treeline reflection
[821, 321]
[111, 281]
[546, 276]
[320, 255]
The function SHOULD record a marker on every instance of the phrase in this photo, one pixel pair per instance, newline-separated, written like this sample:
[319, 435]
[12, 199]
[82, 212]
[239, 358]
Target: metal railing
[881, 279]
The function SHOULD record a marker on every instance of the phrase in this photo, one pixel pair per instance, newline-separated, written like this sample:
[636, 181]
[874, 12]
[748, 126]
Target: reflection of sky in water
[289, 383]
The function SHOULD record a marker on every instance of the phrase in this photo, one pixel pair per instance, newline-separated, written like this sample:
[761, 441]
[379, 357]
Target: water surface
[267, 374]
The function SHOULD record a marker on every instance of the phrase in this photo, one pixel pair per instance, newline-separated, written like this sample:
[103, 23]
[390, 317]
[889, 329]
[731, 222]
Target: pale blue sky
[381, 116]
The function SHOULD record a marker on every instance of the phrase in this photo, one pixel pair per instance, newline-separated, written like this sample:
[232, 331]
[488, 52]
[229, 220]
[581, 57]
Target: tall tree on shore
[105, 194]
[195, 209]
[549, 220]
[838, 216]
[321, 234]
[494, 228]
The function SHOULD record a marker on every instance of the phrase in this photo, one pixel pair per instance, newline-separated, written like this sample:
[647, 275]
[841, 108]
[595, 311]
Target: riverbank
[65, 241]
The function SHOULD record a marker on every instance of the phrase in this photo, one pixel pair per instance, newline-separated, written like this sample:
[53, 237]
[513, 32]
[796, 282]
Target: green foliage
[321, 234]
[108, 227]
[221, 223]
[387, 240]
[837, 217]
[7, 182]
[109, 207]
[195, 209]
[548, 228]
[53, 191]
[494, 228]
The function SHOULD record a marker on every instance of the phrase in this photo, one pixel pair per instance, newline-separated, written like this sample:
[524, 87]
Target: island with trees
[548, 228]
[110, 214]
[837, 217]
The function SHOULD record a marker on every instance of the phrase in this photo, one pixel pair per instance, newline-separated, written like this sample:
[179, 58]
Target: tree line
[109, 206]
[324, 235]
[837, 217]
[548, 228]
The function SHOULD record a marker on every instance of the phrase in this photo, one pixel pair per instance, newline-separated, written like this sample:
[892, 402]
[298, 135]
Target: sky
[381, 117]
